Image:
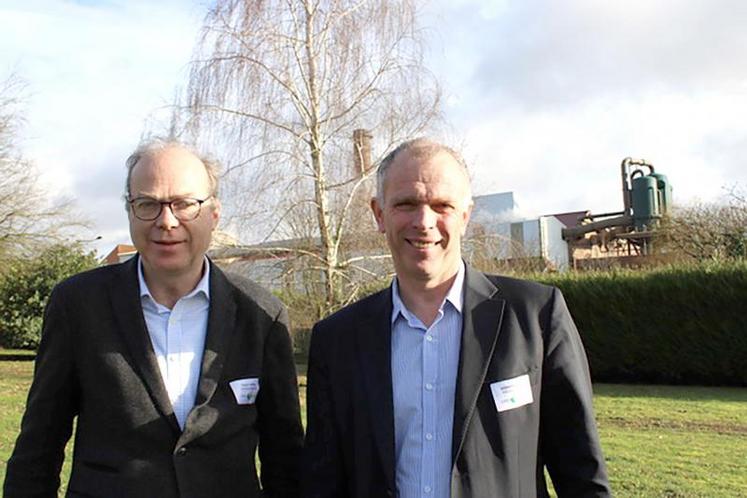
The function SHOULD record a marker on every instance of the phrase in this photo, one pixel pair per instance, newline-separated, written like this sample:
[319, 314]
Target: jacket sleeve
[281, 432]
[322, 464]
[569, 440]
[34, 466]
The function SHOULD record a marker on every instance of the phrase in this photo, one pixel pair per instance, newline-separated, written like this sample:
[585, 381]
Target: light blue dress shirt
[424, 370]
[178, 338]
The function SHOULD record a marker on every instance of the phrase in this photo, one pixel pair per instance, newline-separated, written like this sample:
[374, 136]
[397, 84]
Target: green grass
[15, 379]
[674, 441]
[659, 441]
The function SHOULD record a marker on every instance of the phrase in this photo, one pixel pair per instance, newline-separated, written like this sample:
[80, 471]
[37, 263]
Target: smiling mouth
[422, 244]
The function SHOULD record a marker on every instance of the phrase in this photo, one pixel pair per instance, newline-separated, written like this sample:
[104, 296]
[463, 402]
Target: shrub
[25, 287]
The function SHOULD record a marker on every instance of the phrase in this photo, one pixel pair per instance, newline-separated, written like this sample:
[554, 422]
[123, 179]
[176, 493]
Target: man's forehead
[440, 168]
[423, 156]
[172, 155]
[176, 164]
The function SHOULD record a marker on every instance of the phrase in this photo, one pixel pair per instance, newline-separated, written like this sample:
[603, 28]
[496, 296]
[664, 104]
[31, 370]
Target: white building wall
[554, 248]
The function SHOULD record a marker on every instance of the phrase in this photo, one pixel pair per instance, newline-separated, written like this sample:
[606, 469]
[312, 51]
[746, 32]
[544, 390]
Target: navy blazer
[96, 363]
[510, 328]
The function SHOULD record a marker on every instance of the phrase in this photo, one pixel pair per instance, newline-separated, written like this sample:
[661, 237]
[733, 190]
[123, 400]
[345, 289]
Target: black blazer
[510, 328]
[96, 362]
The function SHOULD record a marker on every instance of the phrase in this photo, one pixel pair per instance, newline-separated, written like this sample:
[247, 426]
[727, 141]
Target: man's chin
[420, 271]
[166, 265]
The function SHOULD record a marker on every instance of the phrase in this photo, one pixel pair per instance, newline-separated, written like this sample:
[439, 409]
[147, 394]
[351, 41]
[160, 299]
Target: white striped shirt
[424, 370]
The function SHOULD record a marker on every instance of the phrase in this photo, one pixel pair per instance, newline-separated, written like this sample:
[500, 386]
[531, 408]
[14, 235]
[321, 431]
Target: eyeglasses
[184, 209]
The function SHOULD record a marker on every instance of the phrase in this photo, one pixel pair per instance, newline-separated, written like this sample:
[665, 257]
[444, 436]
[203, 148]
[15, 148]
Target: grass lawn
[673, 441]
[660, 441]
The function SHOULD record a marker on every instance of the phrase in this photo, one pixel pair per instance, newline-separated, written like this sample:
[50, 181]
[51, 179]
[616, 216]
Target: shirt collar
[203, 286]
[455, 295]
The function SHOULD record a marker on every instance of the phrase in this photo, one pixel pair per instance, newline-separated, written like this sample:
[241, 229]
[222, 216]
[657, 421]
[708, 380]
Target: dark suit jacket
[510, 328]
[96, 362]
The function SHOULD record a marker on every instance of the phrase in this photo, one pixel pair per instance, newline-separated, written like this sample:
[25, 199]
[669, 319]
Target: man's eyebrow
[407, 200]
[174, 197]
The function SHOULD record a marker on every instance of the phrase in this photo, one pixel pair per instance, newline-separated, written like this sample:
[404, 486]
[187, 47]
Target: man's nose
[166, 219]
[423, 218]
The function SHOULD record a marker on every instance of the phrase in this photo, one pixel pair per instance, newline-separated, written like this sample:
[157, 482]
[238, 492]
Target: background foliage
[680, 324]
[25, 287]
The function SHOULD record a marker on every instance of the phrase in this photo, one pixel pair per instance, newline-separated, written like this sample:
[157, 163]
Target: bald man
[450, 383]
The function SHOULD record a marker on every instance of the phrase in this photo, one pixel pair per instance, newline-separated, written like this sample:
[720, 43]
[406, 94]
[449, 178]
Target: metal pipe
[625, 187]
[602, 215]
[579, 231]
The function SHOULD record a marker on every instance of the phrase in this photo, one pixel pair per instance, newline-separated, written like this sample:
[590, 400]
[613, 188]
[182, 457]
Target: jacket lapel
[374, 356]
[124, 294]
[220, 328]
[483, 311]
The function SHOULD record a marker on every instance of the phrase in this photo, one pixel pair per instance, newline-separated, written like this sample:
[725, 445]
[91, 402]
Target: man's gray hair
[422, 149]
[153, 145]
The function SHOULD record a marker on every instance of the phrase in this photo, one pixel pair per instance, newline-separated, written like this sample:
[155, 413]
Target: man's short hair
[153, 145]
[422, 149]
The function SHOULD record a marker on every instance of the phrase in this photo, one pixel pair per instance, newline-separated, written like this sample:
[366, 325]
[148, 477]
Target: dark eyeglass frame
[169, 203]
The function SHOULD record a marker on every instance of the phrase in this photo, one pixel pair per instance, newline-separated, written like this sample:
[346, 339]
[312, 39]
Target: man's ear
[378, 213]
[215, 214]
[466, 214]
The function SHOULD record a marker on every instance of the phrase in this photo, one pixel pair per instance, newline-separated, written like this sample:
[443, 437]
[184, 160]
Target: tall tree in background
[280, 86]
[29, 219]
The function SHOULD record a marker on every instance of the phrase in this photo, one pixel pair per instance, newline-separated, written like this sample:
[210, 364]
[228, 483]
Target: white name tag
[245, 390]
[512, 393]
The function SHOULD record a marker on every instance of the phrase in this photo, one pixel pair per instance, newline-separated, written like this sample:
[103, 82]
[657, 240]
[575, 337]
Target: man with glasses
[175, 371]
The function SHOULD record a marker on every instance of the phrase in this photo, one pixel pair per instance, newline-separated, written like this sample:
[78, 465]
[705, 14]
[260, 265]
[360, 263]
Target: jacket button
[181, 451]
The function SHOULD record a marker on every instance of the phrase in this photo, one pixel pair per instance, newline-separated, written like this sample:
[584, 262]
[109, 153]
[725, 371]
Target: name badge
[245, 390]
[512, 393]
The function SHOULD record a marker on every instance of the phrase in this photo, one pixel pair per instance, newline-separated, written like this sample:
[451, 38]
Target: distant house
[498, 230]
[120, 254]
[572, 218]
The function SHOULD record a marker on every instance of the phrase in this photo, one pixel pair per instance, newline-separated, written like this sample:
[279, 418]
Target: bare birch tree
[29, 218]
[280, 86]
[713, 231]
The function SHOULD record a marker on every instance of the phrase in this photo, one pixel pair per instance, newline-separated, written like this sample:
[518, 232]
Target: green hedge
[675, 325]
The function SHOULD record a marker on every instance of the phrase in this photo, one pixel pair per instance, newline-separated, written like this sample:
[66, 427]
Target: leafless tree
[708, 231]
[29, 219]
[489, 250]
[279, 86]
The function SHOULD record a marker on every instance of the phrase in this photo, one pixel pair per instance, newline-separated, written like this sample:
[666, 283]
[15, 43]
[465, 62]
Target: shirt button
[429, 436]
[427, 489]
[429, 338]
[429, 387]
[181, 451]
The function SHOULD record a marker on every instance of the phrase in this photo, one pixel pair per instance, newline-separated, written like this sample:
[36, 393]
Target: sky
[545, 98]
